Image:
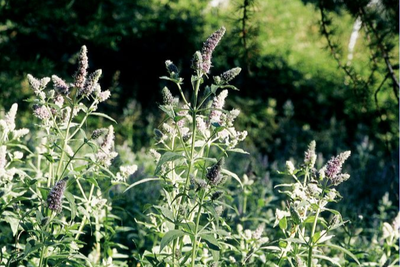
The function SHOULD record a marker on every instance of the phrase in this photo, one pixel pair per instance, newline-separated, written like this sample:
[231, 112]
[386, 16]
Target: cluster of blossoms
[125, 172]
[105, 153]
[303, 195]
[8, 132]
[49, 106]
[7, 126]
[205, 124]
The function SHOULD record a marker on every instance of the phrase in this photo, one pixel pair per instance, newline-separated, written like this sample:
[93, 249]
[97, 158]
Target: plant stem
[194, 111]
[194, 249]
[311, 245]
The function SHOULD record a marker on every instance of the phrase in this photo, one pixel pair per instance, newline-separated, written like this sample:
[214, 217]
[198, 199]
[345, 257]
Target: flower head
[59, 100]
[33, 82]
[214, 173]
[20, 133]
[217, 105]
[10, 117]
[168, 98]
[98, 132]
[208, 47]
[197, 61]
[258, 232]
[104, 95]
[60, 85]
[36, 84]
[290, 167]
[41, 112]
[309, 156]
[334, 167]
[3, 160]
[229, 75]
[105, 154]
[54, 199]
[80, 75]
[91, 83]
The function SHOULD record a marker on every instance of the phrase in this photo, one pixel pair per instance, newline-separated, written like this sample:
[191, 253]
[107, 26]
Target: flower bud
[171, 68]
[197, 61]
[258, 232]
[60, 85]
[216, 195]
[214, 173]
[97, 133]
[168, 98]
[290, 167]
[54, 199]
[309, 156]
[229, 75]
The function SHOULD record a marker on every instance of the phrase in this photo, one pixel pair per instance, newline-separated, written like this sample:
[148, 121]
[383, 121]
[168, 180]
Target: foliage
[311, 70]
[46, 228]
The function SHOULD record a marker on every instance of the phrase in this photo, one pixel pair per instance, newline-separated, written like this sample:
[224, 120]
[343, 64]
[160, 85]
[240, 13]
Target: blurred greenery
[292, 88]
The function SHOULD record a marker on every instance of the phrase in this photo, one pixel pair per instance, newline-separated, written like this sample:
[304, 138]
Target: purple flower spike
[54, 199]
[208, 47]
[80, 75]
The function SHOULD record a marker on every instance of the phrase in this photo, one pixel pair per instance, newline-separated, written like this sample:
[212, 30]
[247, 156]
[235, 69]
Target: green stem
[183, 96]
[194, 111]
[311, 245]
[42, 253]
[45, 248]
[73, 156]
[83, 223]
[194, 249]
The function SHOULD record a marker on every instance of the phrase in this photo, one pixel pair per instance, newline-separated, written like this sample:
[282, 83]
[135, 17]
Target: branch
[382, 48]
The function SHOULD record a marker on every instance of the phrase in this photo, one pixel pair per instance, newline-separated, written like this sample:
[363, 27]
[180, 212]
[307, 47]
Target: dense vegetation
[309, 70]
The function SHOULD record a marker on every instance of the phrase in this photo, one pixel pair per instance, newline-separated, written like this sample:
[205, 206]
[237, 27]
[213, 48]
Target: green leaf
[345, 251]
[84, 212]
[103, 115]
[167, 156]
[167, 213]
[283, 244]
[315, 237]
[48, 157]
[214, 88]
[71, 200]
[168, 110]
[238, 150]
[93, 181]
[295, 240]
[230, 87]
[323, 257]
[14, 223]
[211, 241]
[178, 118]
[20, 146]
[332, 211]
[145, 180]
[283, 223]
[189, 227]
[295, 215]
[233, 175]
[169, 237]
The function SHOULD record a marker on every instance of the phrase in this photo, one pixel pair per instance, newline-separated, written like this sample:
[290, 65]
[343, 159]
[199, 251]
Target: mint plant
[56, 195]
[303, 222]
[192, 144]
